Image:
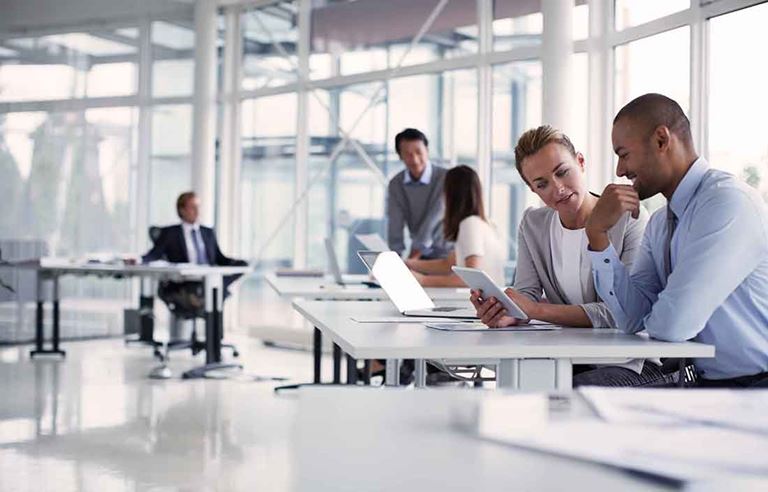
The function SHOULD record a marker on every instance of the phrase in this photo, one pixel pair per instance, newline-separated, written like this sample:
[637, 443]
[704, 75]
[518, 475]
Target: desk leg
[214, 323]
[317, 348]
[421, 373]
[351, 370]
[392, 376]
[508, 374]
[40, 317]
[336, 364]
[533, 374]
[563, 374]
[56, 316]
[367, 372]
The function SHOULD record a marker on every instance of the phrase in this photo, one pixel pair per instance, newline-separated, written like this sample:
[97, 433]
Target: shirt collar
[425, 178]
[687, 187]
[190, 227]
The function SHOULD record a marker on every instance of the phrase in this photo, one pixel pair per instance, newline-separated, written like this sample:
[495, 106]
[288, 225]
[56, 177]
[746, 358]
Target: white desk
[325, 289]
[51, 269]
[352, 439]
[525, 360]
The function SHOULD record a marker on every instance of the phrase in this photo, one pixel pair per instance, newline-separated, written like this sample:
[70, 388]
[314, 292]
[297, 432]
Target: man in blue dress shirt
[702, 272]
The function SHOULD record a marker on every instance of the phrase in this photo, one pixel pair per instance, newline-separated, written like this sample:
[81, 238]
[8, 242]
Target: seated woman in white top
[553, 277]
[477, 243]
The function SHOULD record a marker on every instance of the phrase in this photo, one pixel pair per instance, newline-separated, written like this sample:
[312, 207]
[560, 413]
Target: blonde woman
[553, 278]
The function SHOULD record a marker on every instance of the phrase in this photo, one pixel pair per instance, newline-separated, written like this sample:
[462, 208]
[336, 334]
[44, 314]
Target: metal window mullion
[656, 26]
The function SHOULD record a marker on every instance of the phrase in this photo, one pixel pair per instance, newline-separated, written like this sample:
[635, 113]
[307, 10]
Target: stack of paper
[686, 435]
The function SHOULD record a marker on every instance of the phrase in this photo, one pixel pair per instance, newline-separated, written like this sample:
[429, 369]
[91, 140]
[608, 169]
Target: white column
[301, 223]
[143, 182]
[228, 193]
[601, 94]
[485, 100]
[204, 100]
[557, 48]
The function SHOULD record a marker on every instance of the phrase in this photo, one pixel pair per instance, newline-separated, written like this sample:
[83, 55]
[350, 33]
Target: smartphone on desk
[479, 280]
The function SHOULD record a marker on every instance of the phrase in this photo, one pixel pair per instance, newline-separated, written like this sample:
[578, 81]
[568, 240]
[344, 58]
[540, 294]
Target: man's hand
[415, 254]
[615, 201]
[491, 312]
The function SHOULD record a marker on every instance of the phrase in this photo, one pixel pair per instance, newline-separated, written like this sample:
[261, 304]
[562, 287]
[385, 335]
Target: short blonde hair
[536, 139]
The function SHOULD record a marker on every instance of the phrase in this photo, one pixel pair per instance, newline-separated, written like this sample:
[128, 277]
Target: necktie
[201, 259]
[671, 225]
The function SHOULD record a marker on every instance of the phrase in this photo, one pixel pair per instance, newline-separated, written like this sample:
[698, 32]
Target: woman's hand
[492, 313]
[526, 304]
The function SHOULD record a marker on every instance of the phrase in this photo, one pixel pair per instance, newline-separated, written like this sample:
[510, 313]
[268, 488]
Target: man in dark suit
[189, 242]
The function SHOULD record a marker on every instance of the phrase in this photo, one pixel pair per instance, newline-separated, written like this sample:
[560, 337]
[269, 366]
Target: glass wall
[66, 66]
[738, 104]
[516, 108]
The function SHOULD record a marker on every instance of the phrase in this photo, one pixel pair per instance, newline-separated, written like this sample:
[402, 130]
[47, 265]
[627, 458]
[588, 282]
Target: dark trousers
[615, 376]
[753, 381]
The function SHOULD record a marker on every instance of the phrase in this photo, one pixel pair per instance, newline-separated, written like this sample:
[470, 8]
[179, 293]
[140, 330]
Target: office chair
[180, 298]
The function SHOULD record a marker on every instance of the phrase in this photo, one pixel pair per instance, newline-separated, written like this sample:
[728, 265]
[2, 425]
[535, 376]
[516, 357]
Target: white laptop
[372, 242]
[333, 266]
[405, 292]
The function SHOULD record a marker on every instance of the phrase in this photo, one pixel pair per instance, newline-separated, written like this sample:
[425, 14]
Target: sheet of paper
[678, 452]
[745, 410]
[404, 319]
[482, 327]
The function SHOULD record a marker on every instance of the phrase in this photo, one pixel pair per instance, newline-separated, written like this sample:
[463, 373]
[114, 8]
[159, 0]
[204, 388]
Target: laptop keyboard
[446, 309]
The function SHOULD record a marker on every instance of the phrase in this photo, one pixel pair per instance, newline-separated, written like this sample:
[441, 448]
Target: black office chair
[183, 300]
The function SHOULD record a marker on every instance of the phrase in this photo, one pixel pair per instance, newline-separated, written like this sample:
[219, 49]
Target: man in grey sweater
[415, 200]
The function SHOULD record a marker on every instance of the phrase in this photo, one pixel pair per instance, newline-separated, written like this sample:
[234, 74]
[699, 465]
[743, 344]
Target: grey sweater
[535, 276]
[419, 207]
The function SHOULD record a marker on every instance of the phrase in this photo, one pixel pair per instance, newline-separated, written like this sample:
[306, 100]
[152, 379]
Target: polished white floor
[94, 421]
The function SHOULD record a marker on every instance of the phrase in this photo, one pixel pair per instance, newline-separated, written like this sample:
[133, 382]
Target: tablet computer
[479, 280]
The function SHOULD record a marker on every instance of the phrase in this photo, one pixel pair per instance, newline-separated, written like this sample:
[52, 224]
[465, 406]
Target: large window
[738, 103]
[267, 179]
[64, 66]
[633, 12]
[170, 169]
[516, 108]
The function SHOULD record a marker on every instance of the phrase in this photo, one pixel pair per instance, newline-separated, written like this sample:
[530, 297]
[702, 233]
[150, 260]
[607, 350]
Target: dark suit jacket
[171, 247]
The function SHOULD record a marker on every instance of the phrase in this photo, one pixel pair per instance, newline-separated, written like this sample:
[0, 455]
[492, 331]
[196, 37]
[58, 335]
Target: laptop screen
[401, 286]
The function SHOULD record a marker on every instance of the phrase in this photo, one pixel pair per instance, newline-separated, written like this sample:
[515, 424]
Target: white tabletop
[352, 439]
[415, 341]
[68, 266]
[326, 288]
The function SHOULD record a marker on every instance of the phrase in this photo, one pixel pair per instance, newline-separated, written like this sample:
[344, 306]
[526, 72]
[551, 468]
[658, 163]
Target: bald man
[702, 271]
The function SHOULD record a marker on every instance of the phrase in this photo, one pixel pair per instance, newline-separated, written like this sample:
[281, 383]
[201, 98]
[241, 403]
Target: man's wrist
[598, 240]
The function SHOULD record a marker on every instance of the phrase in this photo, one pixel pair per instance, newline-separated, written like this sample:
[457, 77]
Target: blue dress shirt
[717, 292]
[425, 178]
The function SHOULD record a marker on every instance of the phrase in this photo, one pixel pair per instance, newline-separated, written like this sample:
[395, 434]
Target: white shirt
[191, 251]
[477, 237]
[570, 261]
[573, 269]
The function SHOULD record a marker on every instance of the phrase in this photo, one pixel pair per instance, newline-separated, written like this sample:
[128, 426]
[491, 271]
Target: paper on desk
[405, 319]
[738, 410]
[482, 327]
[681, 452]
